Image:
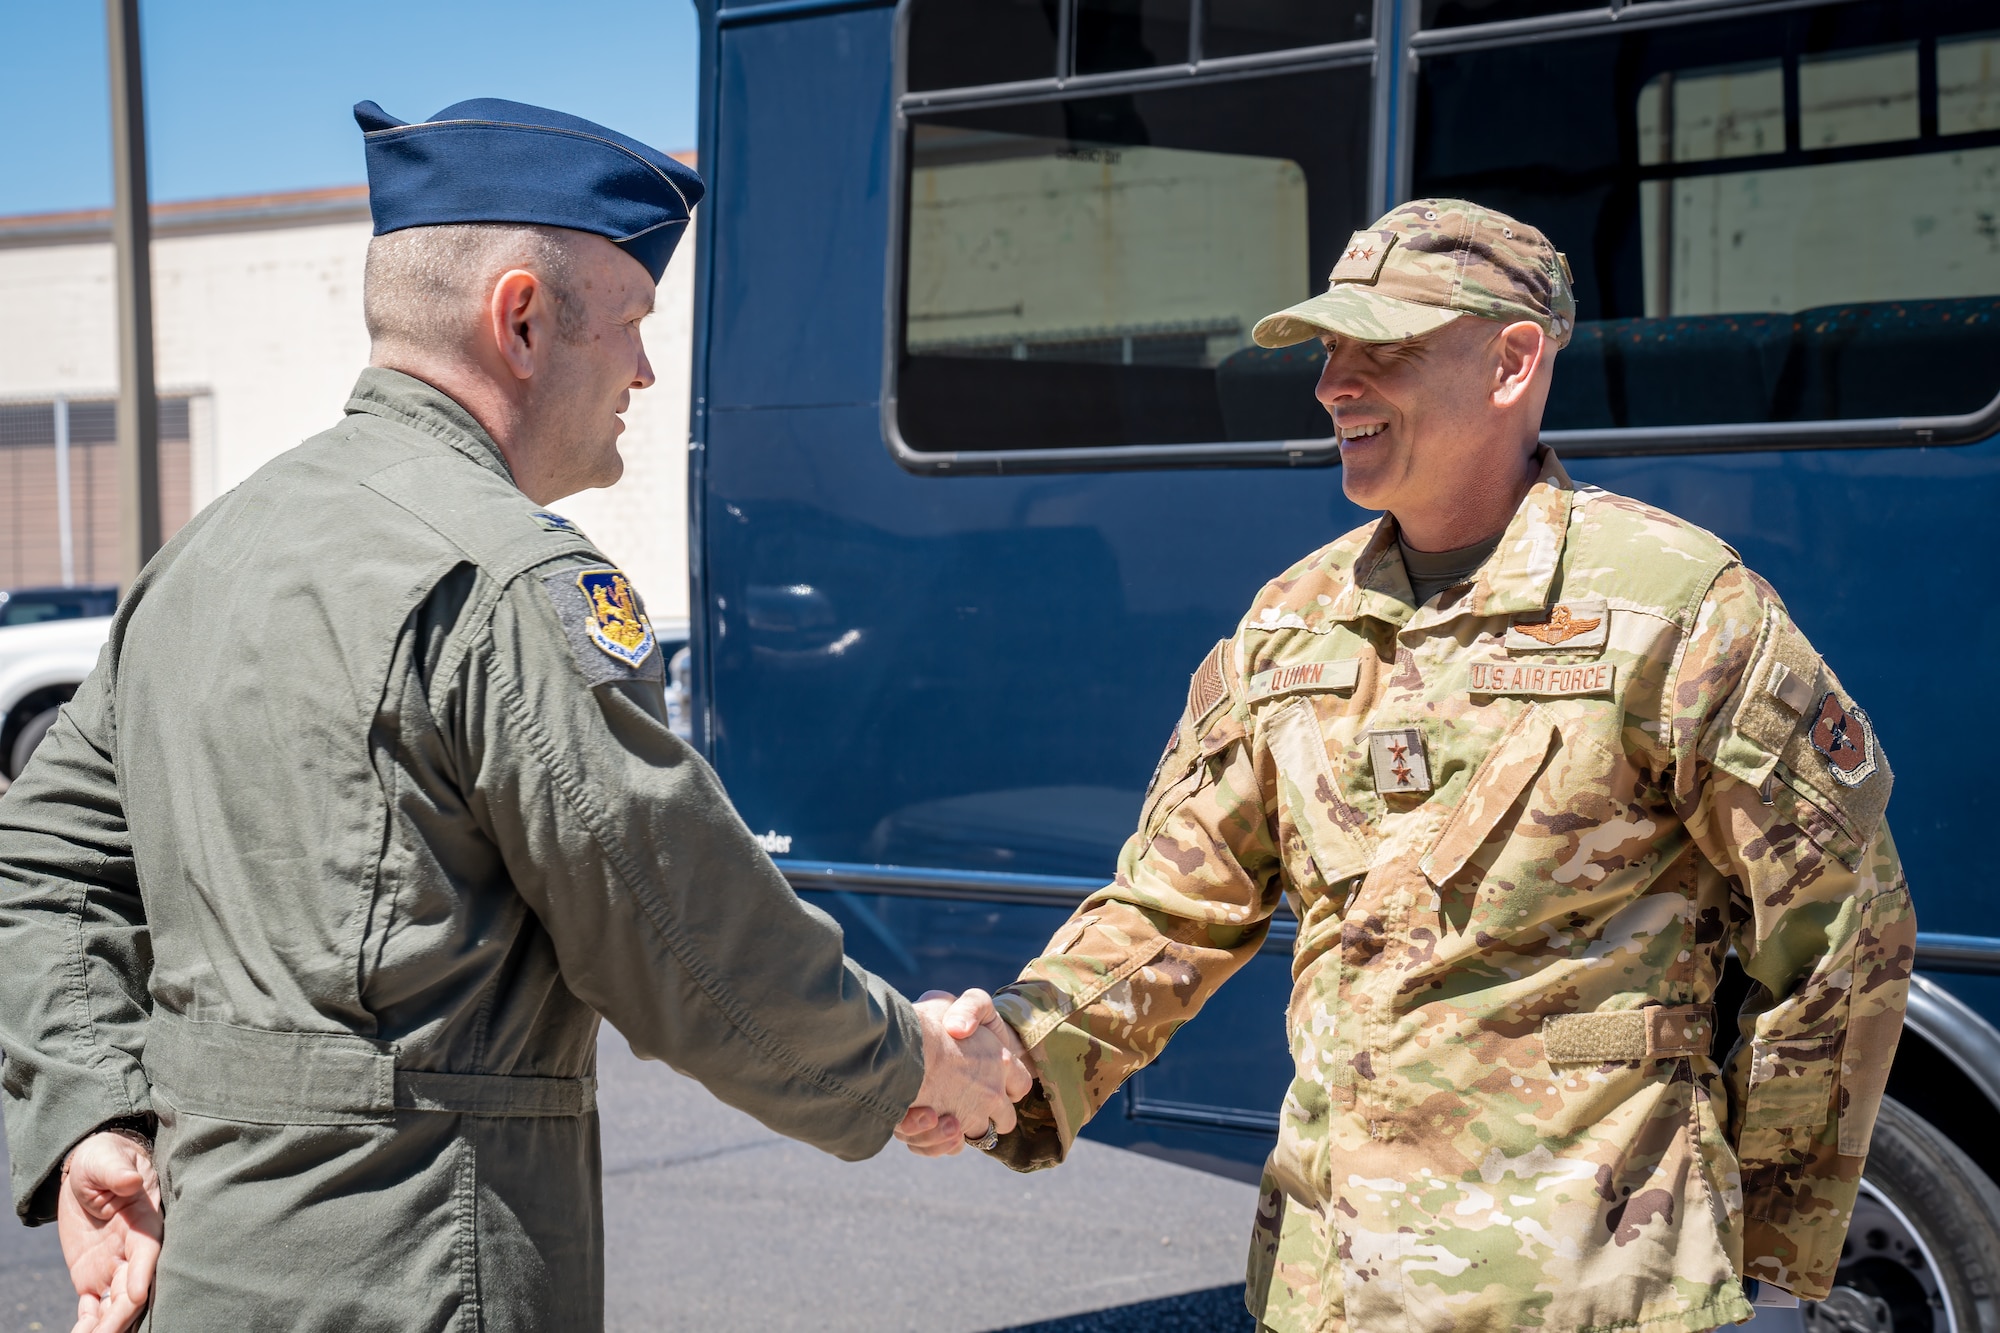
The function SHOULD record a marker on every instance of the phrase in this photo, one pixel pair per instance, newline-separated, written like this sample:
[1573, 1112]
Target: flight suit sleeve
[1196, 886]
[1785, 784]
[75, 950]
[666, 915]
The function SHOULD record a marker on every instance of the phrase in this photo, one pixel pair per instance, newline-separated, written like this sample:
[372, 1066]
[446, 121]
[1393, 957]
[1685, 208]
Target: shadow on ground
[1215, 1310]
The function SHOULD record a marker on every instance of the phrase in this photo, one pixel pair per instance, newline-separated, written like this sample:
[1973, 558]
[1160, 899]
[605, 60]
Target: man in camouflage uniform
[1520, 821]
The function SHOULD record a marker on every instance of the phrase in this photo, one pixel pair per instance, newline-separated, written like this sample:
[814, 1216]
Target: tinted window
[34, 605]
[1085, 273]
[1248, 27]
[966, 43]
[1784, 218]
[1459, 13]
[1130, 34]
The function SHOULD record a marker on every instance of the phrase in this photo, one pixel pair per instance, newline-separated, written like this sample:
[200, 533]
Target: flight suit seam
[79, 984]
[724, 1000]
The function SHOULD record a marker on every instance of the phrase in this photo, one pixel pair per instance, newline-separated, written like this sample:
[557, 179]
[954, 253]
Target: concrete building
[258, 336]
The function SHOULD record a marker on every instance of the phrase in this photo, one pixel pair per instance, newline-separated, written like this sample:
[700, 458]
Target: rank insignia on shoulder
[1845, 739]
[551, 522]
[617, 623]
[1399, 759]
[1582, 624]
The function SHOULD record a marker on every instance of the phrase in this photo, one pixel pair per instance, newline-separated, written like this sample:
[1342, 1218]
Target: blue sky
[245, 96]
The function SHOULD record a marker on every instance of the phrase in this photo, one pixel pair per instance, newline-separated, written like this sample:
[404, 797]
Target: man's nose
[1339, 380]
[644, 379]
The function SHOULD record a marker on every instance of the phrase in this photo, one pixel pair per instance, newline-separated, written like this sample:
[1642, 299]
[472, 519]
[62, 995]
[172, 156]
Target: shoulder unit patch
[617, 624]
[1846, 741]
[605, 624]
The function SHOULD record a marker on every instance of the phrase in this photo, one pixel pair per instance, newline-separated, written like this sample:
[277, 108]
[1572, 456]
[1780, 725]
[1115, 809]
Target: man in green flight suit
[312, 900]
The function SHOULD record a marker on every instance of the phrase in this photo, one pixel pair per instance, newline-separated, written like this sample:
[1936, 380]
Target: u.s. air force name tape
[1545, 682]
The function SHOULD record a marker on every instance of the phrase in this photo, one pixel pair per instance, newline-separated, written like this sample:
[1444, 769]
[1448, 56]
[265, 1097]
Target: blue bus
[984, 460]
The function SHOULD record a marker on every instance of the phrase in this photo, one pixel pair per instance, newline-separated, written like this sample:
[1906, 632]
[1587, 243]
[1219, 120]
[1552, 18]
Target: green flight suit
[333, 865]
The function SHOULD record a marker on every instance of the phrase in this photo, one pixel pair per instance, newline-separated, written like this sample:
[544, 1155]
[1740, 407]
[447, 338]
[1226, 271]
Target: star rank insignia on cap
[1842, 735]
[617, 623]
[1399, 759]
[1362, 260]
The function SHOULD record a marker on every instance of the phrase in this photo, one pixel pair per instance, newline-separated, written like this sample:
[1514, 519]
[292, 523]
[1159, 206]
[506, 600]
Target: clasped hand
[108, 1220]
[974, 1072]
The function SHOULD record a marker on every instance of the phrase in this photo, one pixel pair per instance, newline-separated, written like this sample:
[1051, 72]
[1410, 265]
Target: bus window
[1802, 230]
[1252, 27]
[1130, 34]
[1460, 13]
[966, 43]
[1085, 273]
[1968, 72]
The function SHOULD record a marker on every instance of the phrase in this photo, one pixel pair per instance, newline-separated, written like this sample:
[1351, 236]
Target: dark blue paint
[802, 177]
[977, 673]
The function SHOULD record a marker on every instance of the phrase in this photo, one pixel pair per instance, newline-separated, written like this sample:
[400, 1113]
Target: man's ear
[1520, 349]
[518, 320]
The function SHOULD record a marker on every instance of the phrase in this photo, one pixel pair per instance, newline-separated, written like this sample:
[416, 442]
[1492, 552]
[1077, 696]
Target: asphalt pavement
[715, 1223]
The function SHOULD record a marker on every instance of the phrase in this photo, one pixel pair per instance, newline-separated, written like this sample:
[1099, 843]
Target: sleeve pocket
[1791, 1082]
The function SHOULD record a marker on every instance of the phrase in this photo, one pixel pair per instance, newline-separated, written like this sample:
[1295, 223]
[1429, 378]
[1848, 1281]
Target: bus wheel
[1923, 1253]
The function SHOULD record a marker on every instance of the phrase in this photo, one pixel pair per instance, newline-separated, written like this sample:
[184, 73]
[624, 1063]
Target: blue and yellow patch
[617, 623]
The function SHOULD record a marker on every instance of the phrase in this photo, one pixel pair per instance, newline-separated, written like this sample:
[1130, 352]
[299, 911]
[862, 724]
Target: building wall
[262, 327]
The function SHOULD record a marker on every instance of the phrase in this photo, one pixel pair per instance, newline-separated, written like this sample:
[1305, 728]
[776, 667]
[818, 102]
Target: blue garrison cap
[489, 160]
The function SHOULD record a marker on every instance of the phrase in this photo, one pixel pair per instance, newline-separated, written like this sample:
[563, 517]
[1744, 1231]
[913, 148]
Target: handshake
[974, 1072]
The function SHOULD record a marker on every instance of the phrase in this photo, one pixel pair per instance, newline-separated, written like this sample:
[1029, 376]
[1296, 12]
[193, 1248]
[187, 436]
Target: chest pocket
[1335, 833]
[1507, 772]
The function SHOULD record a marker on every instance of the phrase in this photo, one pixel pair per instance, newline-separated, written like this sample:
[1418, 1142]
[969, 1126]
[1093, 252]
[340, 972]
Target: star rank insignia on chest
[1399, 760]
[617, 623]
[1842, 735]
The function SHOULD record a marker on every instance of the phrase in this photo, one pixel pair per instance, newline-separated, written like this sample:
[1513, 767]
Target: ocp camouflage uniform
[1520, 827]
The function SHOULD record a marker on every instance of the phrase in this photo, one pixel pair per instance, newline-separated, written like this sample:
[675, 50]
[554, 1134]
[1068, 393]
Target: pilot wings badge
[1566, 625]
[617, 623]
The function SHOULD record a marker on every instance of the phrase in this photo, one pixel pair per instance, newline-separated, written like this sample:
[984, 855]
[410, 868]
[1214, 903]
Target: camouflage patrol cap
[1421, 266]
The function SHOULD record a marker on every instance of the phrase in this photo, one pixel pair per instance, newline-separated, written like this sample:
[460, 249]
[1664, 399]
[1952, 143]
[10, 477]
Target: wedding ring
[986, 1141]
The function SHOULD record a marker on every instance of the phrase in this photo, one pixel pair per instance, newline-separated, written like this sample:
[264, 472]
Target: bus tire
[27, 738]
[1924, 1247]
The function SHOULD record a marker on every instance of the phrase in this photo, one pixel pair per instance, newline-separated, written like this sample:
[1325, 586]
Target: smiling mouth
[1362, 432]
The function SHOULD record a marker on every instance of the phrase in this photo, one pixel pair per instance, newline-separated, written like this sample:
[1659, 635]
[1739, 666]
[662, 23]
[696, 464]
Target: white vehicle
[41, 665]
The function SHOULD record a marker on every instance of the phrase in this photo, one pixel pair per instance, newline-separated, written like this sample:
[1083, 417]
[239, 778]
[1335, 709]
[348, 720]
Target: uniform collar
[394, 396]
[1517, 577]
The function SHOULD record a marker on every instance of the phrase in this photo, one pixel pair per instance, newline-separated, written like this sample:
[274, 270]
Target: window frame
[1391, 137]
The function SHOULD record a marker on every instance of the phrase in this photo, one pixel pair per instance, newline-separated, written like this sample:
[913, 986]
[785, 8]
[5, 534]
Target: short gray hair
[425, 287]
